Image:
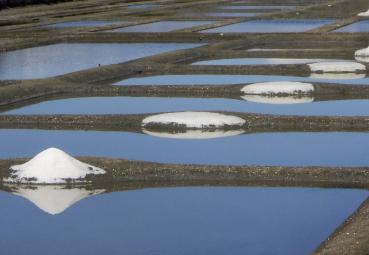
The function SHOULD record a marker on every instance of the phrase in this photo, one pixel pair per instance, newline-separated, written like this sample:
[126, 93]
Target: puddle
[186, 220]
[259, 61]
[285, 149]
[257, 7]
[271, 26]
[83, 24]
[57, 59]
[219, 79]
[162, 26]
[360, 26]
[248, 103]
[234, 14]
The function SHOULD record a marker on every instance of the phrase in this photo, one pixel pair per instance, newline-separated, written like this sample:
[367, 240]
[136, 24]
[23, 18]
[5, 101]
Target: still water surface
[248, 103]
[57, 59]
[285, 149]
[191, 220]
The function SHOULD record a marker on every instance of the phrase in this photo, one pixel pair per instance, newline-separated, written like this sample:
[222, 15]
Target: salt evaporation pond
[143, 6]
[357, 27]
[223, 79]
[249, 103]
[187, 220]
[162, 26]
[57, 59]
[271, 26]
[86, 23]
[234, 14]
[285, 149]
[259, 61]
[257, 7]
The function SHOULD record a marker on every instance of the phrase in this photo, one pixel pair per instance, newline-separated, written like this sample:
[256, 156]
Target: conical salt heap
[52, 166]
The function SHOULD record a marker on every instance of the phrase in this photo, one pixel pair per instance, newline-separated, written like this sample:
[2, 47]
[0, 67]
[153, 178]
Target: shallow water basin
[162, 26]
[284, 149]
[271, 26]
[257, 7]
[219, 79]
[71, 24]
[234, 14]
[259, 61]
[357, 27]
[184, 220]
[248, 103]
[57, 59]
[143, 6]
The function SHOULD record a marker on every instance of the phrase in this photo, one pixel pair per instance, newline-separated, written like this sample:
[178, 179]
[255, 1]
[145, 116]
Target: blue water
[219, 79]
[83, 24]
[360, 26]
[57, 59]
[271, 26]
[285, 149]
[222, 220]
[162, 26]
[136, 105]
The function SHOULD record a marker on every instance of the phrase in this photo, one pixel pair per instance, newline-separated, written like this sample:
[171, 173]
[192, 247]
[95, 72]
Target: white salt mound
[337, 67]
[362, 52]
[196, 134]
[364, 14]
[52, 166]
[54, 199]
[278, 87]
[362, 55]
[195, 119]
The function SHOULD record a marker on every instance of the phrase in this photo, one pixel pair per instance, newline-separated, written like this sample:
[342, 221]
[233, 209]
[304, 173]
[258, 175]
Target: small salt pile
[278, 87]
[52, 166]
[362, 52]
[337, 67]
[362, 55]
[364, 14]
[194, 119]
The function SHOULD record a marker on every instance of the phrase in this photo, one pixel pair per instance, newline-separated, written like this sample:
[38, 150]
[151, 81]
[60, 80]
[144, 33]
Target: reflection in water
[195, 134]
[188, 220]
[364, 59]
[337, 76]
[52, 199]
[277, 100]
